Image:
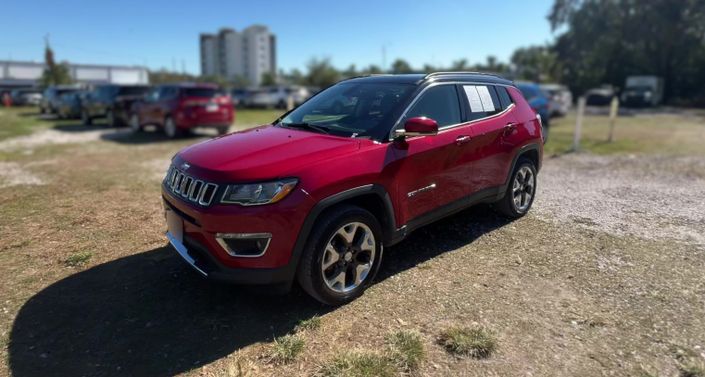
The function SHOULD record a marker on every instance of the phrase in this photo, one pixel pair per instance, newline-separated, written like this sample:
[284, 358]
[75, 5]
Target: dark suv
[178, 108]
[111, 102]
[315, 196]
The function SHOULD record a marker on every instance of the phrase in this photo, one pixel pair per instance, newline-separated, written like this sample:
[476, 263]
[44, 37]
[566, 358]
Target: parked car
[111, 102]
[317, 196]
[642, 91]
[240, 97]
[178, 108]
[278, 96]
[560, 99]
[50, 98]
[69, 105]
[26, 97]
[601, 96]
[539, 101]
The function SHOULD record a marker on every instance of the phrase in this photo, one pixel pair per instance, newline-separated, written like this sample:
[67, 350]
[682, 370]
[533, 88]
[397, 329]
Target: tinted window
[439, 103]
[482, 101]
[200, 92]
[504, 98]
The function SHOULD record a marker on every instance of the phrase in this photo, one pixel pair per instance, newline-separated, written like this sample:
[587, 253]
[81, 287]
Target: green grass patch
[671, 134]
[19, 121]
[475, 342]
[255, 117]
[78, 259]
[287, 348]
[406, 349]
[359, 364]
[692, 368]
[313, 323]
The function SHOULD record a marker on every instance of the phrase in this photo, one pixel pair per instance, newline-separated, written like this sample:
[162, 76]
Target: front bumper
[202, 250]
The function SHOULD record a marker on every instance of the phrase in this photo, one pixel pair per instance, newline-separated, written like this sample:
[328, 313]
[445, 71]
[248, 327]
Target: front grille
[189, 188]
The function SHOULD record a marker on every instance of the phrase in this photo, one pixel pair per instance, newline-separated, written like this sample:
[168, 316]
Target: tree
[268, 79]
[607, 40]
[351, 71]
[535, 63]
[321, 73]
[401, 66]
[372, 70]
[164, 76]
[54, 74]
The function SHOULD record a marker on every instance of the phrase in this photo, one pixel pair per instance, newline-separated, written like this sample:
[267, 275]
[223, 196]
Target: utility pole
[384, 57]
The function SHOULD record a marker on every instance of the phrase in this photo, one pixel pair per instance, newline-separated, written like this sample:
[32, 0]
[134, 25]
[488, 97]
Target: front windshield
[352, 109]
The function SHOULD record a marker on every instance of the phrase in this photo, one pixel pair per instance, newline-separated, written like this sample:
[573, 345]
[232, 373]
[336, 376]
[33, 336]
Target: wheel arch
[531, 151]
[372, 197]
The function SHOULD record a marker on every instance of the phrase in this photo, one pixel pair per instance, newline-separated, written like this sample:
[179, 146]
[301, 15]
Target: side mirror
[418, 126]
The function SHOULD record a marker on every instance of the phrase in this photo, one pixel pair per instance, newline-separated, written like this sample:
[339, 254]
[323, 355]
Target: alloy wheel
[348, 257]
[523, 188]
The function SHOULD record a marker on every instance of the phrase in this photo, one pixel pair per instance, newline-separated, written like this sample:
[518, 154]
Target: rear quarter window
[482, 100]
[504, 98]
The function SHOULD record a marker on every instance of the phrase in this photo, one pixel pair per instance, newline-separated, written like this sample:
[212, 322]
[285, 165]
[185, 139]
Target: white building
[19, 74]
[248, 54]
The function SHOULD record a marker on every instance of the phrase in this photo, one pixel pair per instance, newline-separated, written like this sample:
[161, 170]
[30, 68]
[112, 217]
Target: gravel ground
[651, 197]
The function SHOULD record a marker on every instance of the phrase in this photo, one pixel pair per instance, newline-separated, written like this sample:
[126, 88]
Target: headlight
[259, 193]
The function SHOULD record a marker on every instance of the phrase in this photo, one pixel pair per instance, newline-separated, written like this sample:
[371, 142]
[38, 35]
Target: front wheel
[222, 130]
[342, 255]
[521, 190]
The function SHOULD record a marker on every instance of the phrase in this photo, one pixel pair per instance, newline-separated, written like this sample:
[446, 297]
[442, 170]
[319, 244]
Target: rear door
[491, 112]
[430, 170]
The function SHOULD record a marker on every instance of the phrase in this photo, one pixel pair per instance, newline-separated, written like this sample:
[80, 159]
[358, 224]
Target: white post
[614, 109]
[578, 124]
[289, 103]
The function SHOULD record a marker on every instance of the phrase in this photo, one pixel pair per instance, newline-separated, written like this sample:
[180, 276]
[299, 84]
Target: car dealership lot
[604, 276]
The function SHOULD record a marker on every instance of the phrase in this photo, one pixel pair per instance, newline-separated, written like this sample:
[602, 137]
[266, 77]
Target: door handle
[509, 128]
[460, 140]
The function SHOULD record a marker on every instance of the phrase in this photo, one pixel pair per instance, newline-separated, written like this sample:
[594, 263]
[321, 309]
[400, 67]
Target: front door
[432, 171]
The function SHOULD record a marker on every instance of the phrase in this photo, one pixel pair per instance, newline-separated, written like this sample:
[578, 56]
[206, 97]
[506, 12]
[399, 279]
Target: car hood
[262, 153]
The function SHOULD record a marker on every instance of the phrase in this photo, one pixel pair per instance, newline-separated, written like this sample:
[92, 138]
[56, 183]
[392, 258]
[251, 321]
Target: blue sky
[165, 33]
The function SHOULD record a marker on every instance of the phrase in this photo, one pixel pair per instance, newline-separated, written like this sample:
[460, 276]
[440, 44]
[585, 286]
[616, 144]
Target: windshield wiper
[310, 126]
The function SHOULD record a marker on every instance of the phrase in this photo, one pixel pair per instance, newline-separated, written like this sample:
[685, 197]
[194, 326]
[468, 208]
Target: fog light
[244, 244]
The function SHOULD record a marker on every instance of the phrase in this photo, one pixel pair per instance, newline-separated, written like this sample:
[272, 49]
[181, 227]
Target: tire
[170, 129]
[222, 130]
[520, 189]
[110, 118]
[85, 119]
[358, 258]
[135, 125]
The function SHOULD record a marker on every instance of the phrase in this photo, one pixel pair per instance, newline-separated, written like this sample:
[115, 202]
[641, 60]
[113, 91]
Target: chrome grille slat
[189, 188]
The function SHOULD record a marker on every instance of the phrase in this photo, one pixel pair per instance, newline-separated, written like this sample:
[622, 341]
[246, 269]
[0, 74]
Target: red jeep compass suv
[179, 108]
[317, 195]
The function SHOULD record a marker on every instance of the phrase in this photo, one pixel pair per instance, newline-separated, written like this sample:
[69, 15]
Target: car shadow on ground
[149, 314]
[77, 126]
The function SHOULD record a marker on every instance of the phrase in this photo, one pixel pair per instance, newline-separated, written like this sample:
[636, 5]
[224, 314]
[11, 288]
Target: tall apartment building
[249, 53]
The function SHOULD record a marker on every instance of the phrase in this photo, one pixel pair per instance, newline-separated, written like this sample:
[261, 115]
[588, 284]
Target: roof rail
[367, 75]
[433, 74]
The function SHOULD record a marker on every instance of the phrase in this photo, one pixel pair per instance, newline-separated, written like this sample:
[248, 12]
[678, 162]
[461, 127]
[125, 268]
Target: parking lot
[603, 277]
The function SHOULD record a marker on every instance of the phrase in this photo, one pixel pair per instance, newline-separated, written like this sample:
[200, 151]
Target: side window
[153, 95]
[439, 103]
[504, 98]
[166, 93]
[482, 100]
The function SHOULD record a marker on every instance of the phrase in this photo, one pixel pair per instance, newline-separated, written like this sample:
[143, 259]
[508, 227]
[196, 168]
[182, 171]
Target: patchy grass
[313, 323]
[406, 349]
[662, 133]
[19, 121]
[692, 368]
[286, 348]
[252, 117]
[359, 364]
[78, 259]
[476, 342]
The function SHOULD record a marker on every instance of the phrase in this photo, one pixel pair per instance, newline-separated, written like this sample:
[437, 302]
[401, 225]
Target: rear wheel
[521, 190]
[342, 255]
[222, 130]
[85, 119]
[170, 128]
[135, 125]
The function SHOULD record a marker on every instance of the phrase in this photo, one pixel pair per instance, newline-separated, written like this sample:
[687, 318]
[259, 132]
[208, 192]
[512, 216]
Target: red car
[317, 195]
[181, 107]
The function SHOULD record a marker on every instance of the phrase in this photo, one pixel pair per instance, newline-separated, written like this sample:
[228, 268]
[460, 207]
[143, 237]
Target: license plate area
[212, 107]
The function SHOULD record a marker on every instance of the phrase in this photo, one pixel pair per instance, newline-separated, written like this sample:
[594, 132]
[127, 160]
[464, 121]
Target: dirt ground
[604, 277]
